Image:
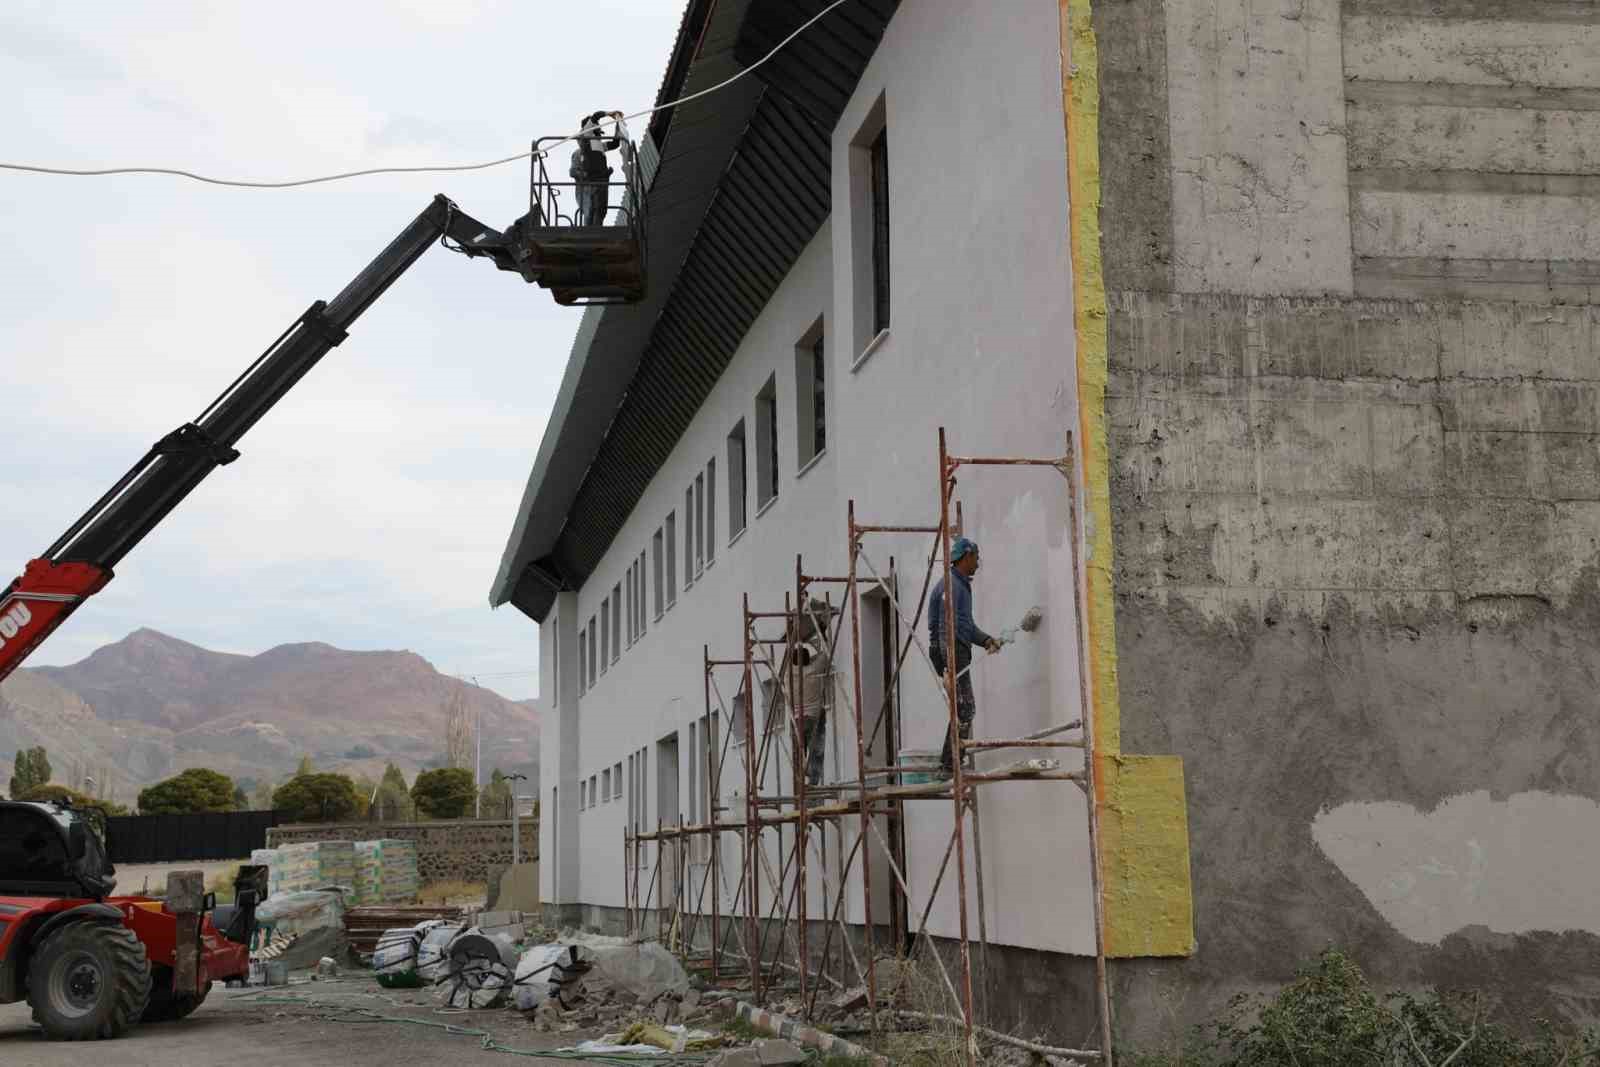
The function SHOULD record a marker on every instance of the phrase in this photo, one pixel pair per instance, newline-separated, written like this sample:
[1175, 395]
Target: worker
[591, 171]
[815, 686]
[963, 565]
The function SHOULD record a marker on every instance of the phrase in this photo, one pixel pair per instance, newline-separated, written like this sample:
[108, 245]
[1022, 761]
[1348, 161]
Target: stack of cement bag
[315, 865]
[268, 858]
[386, 872]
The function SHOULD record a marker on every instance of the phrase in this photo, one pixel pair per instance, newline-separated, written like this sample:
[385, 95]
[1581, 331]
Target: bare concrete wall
[1356, 484]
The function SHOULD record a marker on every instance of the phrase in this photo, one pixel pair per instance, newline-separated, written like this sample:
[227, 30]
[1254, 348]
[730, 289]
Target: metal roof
[741, 185]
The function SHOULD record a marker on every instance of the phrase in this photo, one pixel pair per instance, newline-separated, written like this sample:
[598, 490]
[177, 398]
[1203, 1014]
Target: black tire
[163, 1006]
[88, 980]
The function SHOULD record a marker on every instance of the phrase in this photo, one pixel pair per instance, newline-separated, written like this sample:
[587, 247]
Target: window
[699, 523]
[605, 785]
[660, 572]
[767, 444]
[640, 602]
[737, 493]
[688, 536]
[879, 151]
[594, 652]
[672, 560]
[594, 792]
[810, 396]
[616, 781]
[629, 599]
[583, 662]
[616, 622]
[605, 634]
[711, 511]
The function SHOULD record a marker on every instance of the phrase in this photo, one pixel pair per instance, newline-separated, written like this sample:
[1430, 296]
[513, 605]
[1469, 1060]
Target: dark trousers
[593, 200]
[816, 734]
[966, 711]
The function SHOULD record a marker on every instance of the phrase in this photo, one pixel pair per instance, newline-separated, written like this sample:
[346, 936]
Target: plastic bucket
[917, 765]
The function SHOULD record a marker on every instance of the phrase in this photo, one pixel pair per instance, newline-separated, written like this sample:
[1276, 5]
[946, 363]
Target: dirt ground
[254, 1026]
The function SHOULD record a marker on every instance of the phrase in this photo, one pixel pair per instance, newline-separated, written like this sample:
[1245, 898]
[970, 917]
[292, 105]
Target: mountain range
[150, 705]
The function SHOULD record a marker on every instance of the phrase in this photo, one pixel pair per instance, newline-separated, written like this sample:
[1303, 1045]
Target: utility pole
[516, 830]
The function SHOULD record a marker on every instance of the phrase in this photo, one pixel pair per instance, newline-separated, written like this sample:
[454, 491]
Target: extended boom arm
[80, 563]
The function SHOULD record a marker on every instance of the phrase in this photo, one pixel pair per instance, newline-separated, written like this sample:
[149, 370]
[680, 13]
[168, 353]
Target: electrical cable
[246, 184]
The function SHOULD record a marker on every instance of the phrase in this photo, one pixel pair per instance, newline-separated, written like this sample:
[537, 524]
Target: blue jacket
[967, 631]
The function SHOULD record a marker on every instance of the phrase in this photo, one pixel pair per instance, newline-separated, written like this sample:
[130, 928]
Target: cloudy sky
[370, 507]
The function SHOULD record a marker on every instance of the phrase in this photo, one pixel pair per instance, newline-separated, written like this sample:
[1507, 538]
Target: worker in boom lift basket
[963, 565]
[591, 171]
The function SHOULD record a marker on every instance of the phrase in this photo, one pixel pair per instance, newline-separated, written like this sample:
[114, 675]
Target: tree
[60, 794]
[365, 788]
[316, 798]
[304, 767]
[457, 730]
[447, 793]
[497, 796]
[261, 796]
[394, 797]
[187, 793]
[31, 771]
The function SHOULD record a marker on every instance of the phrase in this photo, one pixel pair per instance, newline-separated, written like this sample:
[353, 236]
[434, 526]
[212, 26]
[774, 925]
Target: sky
[369, 509]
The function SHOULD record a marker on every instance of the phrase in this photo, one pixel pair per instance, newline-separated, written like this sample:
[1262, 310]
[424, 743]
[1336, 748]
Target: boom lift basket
[584, 261]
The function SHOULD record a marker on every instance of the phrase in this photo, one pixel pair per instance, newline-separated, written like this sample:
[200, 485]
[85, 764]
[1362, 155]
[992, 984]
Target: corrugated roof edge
[696, 14]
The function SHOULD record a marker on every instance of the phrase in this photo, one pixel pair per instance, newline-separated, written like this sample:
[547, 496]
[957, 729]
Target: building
[1323, 335]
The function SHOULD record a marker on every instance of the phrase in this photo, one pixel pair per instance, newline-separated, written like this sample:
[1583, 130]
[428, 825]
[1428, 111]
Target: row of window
[600, 788]
[601, 641]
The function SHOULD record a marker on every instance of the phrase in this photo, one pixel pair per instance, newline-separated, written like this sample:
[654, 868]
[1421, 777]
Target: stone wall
[463, 850]
[1353, 413]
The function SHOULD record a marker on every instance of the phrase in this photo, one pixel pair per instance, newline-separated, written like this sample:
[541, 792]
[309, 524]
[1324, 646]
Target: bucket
[918, 765]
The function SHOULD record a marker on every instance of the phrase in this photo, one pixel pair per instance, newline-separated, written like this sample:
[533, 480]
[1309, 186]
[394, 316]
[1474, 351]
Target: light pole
[516, 831]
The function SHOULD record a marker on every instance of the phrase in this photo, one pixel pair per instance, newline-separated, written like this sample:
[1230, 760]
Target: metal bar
[983, 919]
[1004, 461]
[1021, 743]
[712, 779]
[946, 487]
[897, 529]
[861, 761]
[801, 786]
[752, 832]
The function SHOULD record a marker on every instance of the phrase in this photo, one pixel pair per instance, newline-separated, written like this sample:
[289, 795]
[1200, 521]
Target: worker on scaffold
[963, 565]
[590, 169]
[816, 685]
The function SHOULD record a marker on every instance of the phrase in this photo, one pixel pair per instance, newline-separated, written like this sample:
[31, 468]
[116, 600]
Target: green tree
[497, 796]
[188, 792]
[446, 793]
[60, 794]
[365, 788]
[31, 771]
[394, 796]
[316, 798]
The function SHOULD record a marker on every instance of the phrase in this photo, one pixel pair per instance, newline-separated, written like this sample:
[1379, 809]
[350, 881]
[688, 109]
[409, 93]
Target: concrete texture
[463, 849]
[1357, 538]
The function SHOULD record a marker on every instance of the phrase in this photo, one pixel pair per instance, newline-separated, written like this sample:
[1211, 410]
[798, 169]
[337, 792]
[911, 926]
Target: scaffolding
[774, 949]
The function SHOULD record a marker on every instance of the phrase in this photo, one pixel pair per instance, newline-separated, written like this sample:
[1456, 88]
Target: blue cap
[962, 546]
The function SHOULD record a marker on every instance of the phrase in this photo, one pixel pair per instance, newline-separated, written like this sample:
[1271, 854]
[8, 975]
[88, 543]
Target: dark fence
[224, 835]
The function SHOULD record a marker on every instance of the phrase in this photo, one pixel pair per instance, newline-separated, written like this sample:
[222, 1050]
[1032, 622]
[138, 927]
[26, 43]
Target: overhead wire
[439, 168]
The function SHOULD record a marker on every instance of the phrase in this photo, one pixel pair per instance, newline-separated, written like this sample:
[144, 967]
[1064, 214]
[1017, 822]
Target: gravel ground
[244, 1026]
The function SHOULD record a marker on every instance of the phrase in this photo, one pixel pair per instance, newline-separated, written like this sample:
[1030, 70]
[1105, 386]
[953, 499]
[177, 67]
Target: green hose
[623, 1059]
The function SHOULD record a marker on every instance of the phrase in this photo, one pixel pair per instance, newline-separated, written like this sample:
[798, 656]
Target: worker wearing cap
[590, 171]
[963, 565]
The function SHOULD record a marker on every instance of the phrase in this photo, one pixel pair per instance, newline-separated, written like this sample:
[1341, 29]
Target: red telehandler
[90, 964]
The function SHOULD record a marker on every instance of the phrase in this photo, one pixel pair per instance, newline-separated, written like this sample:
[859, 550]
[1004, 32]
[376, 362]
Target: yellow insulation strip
[1144, 827]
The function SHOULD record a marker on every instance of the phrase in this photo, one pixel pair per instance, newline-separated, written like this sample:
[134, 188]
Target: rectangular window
[767, 444]
[594, 652]
[616, 622]
[672, 559]
[628, 581]
[880, 231]
[583, 662]
[616, 781]
[605, 785]
[711, 510]
[644, 789]
[688, 537]
[583, 795]
[594, 791]
[660, 571]
[699, 523]
[633, 792]
[810, 396]
[641, 594]
[605, 634]
[737, 492]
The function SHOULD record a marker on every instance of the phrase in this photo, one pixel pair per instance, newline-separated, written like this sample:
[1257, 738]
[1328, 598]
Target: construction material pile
[386, 872]
[314, 865]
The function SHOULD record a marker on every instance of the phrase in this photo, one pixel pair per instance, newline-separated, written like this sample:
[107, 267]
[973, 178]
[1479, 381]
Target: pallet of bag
[386, 872]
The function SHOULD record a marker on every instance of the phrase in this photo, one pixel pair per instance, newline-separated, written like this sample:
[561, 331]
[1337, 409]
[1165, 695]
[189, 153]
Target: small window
[605, 785]
[672, 560]
[737, 491]
[616, 622]
[616, 781]
[628, 599]
[879, 151]
[583, 662]
[641, 594]
[810, 396]
[699, 523]
[711, 511]
[594, 652]
[688, 536]
[767, 444]
[657, 550]
[605, 634]
[594, 791]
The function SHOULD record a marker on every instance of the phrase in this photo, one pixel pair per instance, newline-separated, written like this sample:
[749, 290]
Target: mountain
[150, 705]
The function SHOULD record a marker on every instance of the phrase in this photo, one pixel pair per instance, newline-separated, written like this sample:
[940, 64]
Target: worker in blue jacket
[963, 565]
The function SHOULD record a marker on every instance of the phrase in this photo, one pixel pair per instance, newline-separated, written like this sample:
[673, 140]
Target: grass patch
[1330, 1017]
[743, 1029]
